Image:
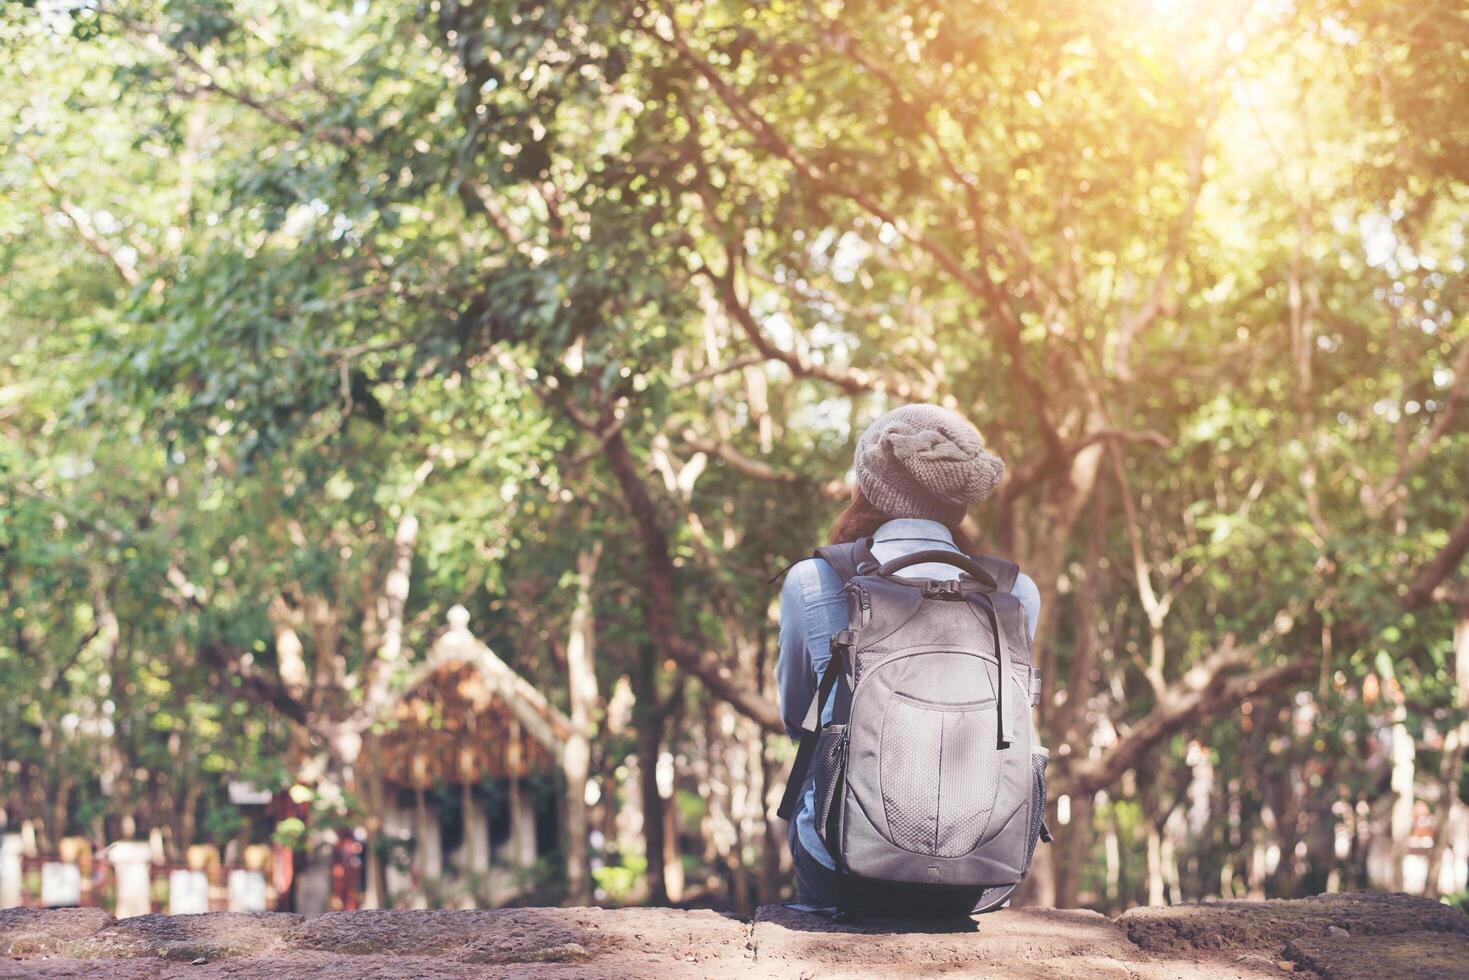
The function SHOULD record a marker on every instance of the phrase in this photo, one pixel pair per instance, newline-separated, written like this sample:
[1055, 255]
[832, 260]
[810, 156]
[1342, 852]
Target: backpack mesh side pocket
[1039, 759]
[830, 764]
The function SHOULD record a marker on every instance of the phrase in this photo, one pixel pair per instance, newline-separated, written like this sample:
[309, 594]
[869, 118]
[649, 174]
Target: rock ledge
[1331, 936]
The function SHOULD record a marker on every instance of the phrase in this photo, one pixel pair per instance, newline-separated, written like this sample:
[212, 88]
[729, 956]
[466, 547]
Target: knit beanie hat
[925, 461]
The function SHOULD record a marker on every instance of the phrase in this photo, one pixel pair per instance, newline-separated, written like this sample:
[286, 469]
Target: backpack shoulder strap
[1004, 570]
[847, 560]
[811, 730]
[1013, 624]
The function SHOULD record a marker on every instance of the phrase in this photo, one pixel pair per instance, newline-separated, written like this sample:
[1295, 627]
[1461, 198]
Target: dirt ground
[1341, 937]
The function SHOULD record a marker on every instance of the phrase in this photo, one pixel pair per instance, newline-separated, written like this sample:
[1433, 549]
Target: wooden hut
[465, 720]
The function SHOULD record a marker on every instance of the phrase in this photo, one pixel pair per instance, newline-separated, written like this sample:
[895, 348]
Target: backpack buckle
[942, 590]
[843, 641]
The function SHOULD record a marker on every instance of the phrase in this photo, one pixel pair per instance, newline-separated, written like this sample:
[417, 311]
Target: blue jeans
[816, 884]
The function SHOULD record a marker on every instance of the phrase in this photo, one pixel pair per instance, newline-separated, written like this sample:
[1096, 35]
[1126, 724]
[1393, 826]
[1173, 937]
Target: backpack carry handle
[961, 561]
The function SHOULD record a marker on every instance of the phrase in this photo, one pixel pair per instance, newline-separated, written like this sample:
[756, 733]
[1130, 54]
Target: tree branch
[1443, 564]
[1155, 610]
[475, 199]
[1134, 325]
[1203, 692]
[389, 608]
[1180, 709]
[265, 105]
[1378, 497]
[662, 615]
[977, 282]
[757, 470]
[259, 686]
[846, 45]
[1149, 436]
[86, 231]
[718, 370]
[851, 381]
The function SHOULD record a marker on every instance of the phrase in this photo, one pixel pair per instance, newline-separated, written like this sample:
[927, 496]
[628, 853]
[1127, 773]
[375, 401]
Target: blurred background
[402, 405]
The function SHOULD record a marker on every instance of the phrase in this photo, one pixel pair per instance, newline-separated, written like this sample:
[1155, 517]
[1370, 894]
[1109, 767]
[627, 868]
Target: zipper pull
[866, 606]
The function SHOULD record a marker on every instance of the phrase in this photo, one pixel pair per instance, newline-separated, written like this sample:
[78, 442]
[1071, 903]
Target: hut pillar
[522, 843]
[12, 849]
[476, 833]
[429, 844]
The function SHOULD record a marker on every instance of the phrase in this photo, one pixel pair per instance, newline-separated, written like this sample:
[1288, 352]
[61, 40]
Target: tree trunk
[1043, 553]
[1169, 856]
[1456, 742]
[661, 608]
[576, 757]
[1156, 894]
[377, 877]
[773, 844]
[649, 730]
[60, 809]
[1068, 855]
[373, 823]
[673, 880]
[1113, 848]
[188, 818]
[1403, 771]
[1044, 556]
[314, 880]
[1073, 840]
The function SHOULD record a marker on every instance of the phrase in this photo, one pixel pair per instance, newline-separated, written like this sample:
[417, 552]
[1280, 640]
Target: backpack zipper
[860, 673]
[864, 603]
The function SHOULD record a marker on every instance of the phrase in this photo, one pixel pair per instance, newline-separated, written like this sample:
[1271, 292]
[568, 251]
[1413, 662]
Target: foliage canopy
[300, 297]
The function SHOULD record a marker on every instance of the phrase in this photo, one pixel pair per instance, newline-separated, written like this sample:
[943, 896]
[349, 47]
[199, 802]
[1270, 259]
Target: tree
[364, 314]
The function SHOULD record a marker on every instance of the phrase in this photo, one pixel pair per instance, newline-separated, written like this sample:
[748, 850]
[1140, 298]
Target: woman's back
[812, 609]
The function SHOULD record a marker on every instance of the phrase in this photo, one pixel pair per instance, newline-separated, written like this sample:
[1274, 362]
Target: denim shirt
[812, 609]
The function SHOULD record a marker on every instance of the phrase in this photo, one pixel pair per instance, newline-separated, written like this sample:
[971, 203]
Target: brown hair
[861, 519]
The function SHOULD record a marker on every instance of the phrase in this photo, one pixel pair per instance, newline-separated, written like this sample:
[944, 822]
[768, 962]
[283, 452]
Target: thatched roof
[466, 717]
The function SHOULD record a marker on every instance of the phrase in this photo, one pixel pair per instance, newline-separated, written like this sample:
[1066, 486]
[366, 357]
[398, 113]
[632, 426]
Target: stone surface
[1272, 924]
[1022, 942]
[417, 932]
[79, 969]
[526, 936]
[213, 936]
[1338, 937]
[1406, 956]
[1028, 944]
[29, 932]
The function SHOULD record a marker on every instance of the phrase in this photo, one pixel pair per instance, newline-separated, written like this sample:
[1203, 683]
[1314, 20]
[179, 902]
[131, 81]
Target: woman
[919, 469]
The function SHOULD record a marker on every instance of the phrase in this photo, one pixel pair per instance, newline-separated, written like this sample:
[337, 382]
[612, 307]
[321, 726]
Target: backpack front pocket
[940, 773]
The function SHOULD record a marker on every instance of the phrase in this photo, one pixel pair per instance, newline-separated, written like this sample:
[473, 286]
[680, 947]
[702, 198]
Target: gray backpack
[930, 784]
